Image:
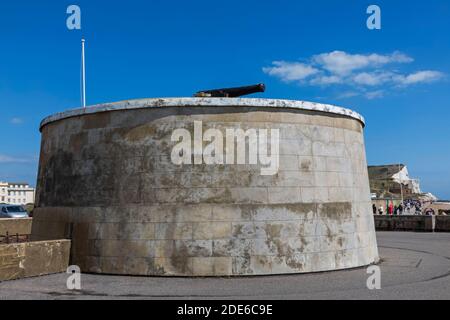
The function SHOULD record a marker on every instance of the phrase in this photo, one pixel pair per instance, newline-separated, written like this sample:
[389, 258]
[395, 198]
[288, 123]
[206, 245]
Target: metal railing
[14, 238]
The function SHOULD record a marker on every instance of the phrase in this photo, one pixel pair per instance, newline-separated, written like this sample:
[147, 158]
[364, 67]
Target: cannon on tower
[231, 92]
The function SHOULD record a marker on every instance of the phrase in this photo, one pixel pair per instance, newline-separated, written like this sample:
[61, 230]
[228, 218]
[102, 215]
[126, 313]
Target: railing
[15, 238]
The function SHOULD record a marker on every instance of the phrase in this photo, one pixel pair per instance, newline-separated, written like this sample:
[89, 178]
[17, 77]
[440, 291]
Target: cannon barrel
[232, 92]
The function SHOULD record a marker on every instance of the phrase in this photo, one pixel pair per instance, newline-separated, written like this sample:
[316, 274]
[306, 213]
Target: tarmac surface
[413, 266]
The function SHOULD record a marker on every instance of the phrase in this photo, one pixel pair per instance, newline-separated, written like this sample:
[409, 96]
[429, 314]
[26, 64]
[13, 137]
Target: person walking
[418, 210]
[391, 209]
[400, 209]
[374, 209]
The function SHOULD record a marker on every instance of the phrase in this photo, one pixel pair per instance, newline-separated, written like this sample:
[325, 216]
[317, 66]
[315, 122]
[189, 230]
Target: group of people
[409, 207]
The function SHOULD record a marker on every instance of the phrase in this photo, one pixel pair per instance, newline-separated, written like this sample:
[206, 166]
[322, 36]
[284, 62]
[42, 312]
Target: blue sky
[397, 77]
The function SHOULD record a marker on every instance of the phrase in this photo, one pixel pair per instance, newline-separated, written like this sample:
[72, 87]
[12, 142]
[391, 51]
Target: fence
[14, 238]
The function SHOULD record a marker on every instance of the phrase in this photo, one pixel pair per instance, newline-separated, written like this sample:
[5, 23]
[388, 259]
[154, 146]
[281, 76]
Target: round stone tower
[207, 187]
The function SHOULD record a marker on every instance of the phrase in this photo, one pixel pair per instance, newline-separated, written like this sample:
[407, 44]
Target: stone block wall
[442, 224]
[405, 223]
[15, 226]
[413, 223]
[107, 182]
[22, 260]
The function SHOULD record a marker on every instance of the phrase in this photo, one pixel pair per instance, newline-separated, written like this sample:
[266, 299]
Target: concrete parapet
[22, 260]
[442, 224]
[405, 223]
[15, 226]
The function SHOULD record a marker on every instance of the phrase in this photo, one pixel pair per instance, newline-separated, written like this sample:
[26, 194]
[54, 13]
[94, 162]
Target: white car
[12, 212]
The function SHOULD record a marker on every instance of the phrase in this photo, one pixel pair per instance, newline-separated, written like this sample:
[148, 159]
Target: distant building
[16, 193]
[3, 192]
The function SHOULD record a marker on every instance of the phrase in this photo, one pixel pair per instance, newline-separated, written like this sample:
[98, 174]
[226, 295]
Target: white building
[16, 193]
[3, 192]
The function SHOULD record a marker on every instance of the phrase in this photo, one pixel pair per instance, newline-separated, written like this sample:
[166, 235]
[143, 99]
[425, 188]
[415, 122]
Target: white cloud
[380, 78]
[326, 80]
[342, 63]
[368, 95]
[372, 79]
[16, 121]
[346, 95]
[10, 159]
[365, 75]
[374, 94]
[290, 71]
[419, 77]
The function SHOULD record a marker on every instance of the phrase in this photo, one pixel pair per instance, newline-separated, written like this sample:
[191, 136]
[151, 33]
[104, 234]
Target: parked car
[12, 211]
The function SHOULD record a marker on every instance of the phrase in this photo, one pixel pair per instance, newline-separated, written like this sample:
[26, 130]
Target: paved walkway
[414, 266]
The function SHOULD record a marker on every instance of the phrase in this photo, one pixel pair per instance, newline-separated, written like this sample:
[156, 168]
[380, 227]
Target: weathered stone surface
[106, 181]
[405, 223]
[33, 259]
[442, 224]
[212, 266]
[15, 226]
[413, 223]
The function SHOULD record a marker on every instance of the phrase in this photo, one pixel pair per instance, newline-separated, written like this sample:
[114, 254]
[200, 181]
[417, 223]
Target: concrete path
[414, 266]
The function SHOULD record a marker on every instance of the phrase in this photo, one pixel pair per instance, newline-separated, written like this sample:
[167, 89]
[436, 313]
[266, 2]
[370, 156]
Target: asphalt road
[413, 266]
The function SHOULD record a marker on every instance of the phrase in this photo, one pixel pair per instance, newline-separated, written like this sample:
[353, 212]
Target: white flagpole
[83, 75]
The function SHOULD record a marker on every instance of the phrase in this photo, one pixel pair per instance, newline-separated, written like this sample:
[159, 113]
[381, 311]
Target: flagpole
[83, 75]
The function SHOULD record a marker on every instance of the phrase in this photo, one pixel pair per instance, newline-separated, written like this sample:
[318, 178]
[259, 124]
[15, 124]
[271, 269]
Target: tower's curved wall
[106, 180]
